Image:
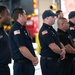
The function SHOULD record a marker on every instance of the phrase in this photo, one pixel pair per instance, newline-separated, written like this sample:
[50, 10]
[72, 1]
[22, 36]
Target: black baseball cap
[48, 13]
[71, 14]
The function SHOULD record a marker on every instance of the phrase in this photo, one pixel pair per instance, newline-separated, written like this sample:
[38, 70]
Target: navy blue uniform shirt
[48, 35]
[66, 39]
[71, 29]
[5, 49]
[20, 37]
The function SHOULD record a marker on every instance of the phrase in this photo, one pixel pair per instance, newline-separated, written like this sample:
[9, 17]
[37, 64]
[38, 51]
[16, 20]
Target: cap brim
[55, 15]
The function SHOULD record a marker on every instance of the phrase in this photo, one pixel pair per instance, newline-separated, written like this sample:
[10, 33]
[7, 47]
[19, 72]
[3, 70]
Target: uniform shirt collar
[18, 24]
[46, 25]
[2, 28]
[71, 24]
[59, 30]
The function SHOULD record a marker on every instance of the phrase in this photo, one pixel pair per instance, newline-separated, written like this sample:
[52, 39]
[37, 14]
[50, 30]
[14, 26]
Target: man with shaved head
[67, 41]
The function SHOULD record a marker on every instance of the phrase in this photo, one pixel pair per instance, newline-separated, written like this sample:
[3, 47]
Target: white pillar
[43, 5]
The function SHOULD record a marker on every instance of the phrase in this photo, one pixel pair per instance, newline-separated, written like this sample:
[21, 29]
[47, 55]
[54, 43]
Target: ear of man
[1, 16]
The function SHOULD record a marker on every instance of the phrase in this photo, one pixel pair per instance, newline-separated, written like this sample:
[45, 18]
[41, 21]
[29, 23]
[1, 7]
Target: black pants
[49, 67]
[74, 67]
[65, 67]
[4, 70]
[23, 69]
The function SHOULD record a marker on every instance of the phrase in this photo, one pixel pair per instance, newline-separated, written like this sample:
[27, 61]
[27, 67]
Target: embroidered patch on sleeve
[16, 32]
[44, 32]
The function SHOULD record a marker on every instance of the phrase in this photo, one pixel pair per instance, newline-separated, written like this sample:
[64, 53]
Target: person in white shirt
[59, 15]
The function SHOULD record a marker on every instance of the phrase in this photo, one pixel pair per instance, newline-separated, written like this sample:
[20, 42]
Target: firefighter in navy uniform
[22, 50]
[71, 31]
[51, 48]
[5, 49]
[67, 41]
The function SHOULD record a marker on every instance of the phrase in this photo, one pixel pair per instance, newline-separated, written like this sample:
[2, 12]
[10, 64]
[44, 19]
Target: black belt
[21, 61]
[50, 58]
[3, 65]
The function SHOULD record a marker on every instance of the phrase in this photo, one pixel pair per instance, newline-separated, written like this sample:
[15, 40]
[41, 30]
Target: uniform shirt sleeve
[72, 33]
[47, 37]
[19, 38]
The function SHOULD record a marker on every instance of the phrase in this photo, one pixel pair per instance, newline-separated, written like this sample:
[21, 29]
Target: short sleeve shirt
[19, 36]
[48, 35]
[66, 39]
[5, 48]
[71, 29]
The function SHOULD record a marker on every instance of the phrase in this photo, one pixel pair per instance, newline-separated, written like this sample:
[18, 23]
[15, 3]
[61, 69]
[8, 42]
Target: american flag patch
[44, 32]
[16, 32]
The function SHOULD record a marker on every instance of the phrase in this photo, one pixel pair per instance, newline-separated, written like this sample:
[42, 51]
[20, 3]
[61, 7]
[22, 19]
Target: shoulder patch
[72, 28]
[1, 36]
[44, 32]
[16, 32]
